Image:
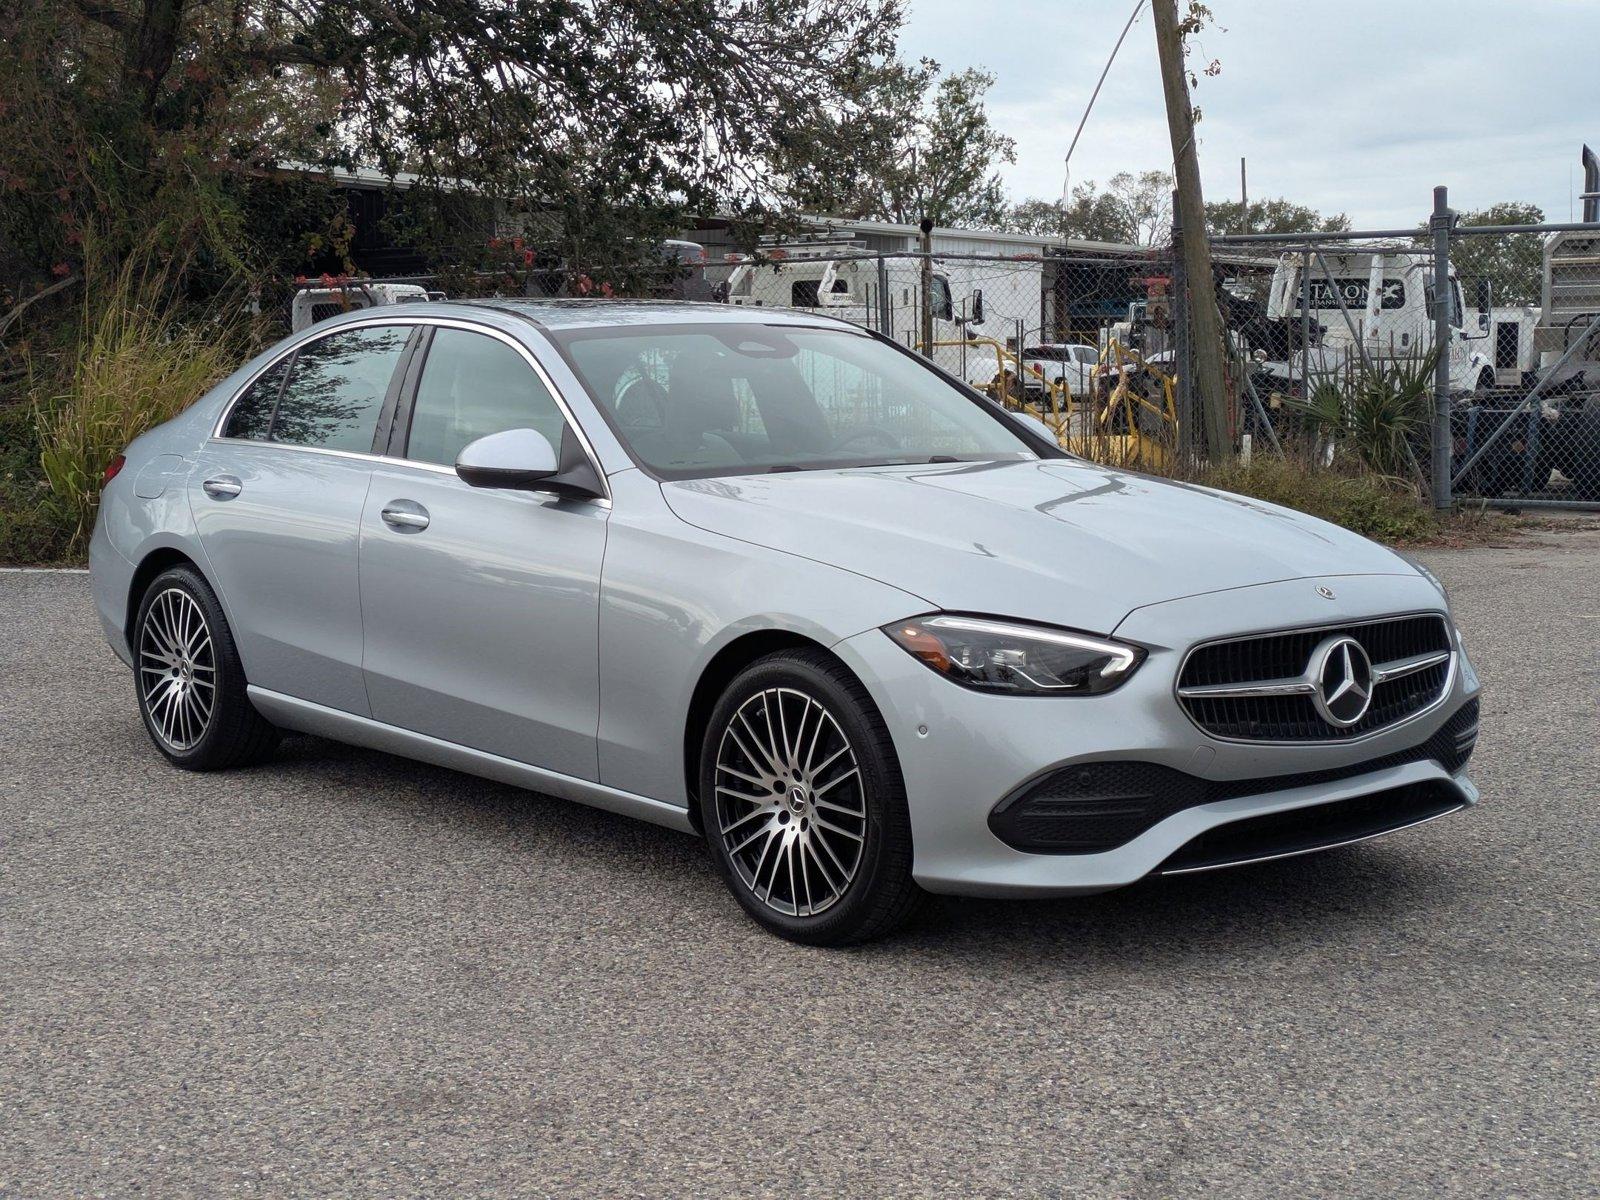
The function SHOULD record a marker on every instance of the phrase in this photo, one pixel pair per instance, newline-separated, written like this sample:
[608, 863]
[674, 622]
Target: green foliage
[1092, 215]
[1270, 216]
[136, 365]
[939, 159]
[1372, 505]
[1512, 262]
[159, 118]
[29, 530]
[1375, 413]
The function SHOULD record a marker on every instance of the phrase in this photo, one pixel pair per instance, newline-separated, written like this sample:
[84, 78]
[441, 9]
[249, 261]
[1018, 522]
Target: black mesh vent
[1315, 827]
[1285, 655]
[1093, 807]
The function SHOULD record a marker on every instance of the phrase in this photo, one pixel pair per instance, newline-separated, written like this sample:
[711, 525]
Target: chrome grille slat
[1417, 646]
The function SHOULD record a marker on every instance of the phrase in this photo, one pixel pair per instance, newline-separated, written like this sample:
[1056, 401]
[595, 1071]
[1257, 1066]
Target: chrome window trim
[1321, 743]
[464, 323]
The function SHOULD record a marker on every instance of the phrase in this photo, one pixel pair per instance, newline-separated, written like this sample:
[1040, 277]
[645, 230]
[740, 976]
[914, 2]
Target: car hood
[1059, 540]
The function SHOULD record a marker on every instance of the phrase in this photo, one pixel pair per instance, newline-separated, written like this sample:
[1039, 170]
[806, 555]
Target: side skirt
[306, 717]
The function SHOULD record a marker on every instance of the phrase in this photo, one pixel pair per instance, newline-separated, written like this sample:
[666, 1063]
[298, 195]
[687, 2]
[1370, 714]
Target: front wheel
[803, 804]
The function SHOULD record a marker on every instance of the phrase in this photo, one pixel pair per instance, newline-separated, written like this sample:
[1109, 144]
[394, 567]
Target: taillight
[112, 468]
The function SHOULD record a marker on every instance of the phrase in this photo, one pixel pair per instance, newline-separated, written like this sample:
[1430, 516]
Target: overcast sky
[1359, 106]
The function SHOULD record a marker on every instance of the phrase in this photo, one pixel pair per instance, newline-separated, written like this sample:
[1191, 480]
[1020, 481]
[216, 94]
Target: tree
[606, 119]
[1270, 216]
[942, 160]
[1145, 201]
[1092, 215]
[1512, 262]
[1134, 209]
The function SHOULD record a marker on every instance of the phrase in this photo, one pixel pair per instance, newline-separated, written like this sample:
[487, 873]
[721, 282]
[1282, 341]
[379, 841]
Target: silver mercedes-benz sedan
[776, 581]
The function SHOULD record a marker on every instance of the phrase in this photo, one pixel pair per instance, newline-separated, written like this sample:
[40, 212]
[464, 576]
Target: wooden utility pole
[1205, 347]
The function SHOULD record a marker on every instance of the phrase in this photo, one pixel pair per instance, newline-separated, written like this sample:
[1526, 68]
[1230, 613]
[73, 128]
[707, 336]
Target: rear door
[481, 605]
[277, 502]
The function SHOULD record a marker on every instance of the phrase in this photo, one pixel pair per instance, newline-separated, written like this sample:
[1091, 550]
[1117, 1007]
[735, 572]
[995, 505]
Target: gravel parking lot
[344, 973]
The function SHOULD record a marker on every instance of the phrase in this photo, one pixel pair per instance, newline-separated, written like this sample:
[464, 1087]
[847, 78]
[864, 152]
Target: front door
[481, 605]
[277, 504]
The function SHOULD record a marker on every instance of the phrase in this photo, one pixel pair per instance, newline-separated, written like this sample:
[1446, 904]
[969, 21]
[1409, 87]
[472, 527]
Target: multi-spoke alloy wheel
[190, 682]
[177, 669]
[790, 806]
[802, 802]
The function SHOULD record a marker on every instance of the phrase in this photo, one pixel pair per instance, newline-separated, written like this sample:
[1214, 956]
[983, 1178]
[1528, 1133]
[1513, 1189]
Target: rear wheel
[189, 680]
[803, 805]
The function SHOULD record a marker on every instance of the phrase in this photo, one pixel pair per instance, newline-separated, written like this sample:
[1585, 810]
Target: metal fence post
[1442, 300]
[885, 301]
[926, 325]
[1178, 316]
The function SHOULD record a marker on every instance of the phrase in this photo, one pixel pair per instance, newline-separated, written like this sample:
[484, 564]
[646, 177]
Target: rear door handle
[405, 515]
[223, 487]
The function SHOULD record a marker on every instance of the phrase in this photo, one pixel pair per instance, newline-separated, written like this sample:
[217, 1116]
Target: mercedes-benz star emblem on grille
[1325, 592]
[1342, 676]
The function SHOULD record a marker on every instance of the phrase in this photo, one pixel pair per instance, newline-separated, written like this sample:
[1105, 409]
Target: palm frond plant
[1378, 411]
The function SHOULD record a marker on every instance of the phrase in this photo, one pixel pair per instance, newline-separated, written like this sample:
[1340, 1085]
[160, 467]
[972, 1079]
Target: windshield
[697, 400]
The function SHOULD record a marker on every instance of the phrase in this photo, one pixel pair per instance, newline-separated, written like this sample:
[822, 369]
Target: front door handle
[223, 487]
[405, 515]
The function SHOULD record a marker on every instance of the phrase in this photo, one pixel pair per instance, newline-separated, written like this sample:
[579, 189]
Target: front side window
[336, 389]
[730, 399]
[939, 299]
[473, 385]
[251, 417]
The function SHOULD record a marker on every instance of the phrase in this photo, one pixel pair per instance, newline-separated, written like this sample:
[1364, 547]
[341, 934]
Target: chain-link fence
[1464, 360]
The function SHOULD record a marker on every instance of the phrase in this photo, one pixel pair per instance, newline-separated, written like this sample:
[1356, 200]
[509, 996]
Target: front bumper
[961, 752]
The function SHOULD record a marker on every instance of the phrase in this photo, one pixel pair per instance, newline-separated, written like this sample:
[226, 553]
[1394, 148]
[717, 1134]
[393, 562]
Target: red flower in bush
[527, 258]
[61, 270]
[605, 290]
[585, 285]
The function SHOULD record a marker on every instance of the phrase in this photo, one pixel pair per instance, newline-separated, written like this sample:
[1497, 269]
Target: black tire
[230, 733]
[872, 896]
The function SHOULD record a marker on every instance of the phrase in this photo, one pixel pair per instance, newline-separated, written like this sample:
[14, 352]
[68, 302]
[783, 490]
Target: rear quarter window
[336, 389]
[251, 415]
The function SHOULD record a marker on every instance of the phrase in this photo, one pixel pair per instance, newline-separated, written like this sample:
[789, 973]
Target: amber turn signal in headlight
[1015, 658]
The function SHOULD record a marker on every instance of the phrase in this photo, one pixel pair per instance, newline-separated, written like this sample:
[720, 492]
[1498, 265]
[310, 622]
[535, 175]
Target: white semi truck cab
[1387, 308]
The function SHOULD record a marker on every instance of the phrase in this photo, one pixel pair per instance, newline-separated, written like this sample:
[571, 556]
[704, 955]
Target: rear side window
[336, 389]
[472, 386]
[251, 417]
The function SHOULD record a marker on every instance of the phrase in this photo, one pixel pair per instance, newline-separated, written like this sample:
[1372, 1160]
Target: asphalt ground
[347, 974]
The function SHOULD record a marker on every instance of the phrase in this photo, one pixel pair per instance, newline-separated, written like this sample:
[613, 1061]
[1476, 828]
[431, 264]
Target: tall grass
[136, 364]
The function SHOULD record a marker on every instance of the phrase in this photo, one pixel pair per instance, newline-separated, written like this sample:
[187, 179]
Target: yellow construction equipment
[1131, 428]
[1127, 428]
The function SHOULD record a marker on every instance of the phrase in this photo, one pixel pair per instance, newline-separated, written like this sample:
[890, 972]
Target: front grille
[1280, 656]
[1093, 807]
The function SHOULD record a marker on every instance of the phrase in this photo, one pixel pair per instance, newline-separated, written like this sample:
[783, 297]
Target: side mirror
[976, 317]
[513, 458]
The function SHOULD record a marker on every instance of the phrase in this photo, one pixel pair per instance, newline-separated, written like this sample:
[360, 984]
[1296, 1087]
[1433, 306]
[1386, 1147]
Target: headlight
[1016, 659]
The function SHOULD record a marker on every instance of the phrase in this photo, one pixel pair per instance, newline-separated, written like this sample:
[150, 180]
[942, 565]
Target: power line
[1066, 184]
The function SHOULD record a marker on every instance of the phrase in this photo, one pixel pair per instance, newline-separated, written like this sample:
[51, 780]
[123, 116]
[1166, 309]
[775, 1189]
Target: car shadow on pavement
[1375, 890]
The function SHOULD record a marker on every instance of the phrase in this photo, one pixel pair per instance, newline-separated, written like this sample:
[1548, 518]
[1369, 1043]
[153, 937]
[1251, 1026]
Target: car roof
[581, 314]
